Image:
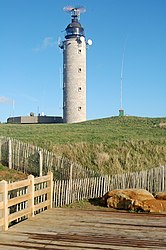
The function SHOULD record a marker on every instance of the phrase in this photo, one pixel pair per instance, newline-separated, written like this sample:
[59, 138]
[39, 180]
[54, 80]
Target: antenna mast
[121, 111]
[121, 81]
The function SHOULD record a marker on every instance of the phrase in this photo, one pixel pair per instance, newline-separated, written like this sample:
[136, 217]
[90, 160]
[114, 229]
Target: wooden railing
[23, 199]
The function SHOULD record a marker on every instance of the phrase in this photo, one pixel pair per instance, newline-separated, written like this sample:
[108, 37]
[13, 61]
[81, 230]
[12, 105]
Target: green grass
[2, 167]
[107, 130]
[110, 145]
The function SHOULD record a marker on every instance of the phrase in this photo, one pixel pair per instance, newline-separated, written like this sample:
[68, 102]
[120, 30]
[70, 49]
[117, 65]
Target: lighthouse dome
[74, 29]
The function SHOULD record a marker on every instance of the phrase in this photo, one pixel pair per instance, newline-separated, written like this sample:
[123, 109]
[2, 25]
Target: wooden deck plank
[61, 228]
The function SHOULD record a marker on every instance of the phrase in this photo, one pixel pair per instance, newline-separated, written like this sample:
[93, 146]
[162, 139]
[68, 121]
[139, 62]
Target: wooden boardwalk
[62, 228]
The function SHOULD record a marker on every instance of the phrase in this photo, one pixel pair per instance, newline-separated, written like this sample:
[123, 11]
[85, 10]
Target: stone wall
[74, 80]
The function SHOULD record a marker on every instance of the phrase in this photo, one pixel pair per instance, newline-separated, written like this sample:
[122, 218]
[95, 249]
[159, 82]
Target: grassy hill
[110, 145]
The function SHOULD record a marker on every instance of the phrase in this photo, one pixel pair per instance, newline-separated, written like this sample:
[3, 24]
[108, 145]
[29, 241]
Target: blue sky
[31, 62]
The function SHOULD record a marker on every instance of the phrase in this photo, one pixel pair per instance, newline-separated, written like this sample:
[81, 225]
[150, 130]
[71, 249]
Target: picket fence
[37, 161]
[68, 191]
[72, 182]
[23, 199]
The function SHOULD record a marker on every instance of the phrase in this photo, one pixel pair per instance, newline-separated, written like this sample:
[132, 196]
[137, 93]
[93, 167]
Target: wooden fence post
[105, 184]
[1, 212]
[70, 187]
[31, 191]
[50, 196]
[40, 163]
[0, 150]
[10, 153]
[71, 171]
[4, 198]
[163, 178]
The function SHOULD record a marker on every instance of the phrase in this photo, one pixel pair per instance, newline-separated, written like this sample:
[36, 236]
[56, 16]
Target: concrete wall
[74, 81]
[14, 120]
[35, 119]
[50, 119]
[29, 119]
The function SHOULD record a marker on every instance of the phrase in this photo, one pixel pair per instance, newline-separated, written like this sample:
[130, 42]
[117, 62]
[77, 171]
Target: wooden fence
[68, 191]
[37, 161]
[22, 199]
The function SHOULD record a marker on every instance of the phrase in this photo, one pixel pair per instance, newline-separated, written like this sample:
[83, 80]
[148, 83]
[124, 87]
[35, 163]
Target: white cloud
[46, 43]
[5, 100]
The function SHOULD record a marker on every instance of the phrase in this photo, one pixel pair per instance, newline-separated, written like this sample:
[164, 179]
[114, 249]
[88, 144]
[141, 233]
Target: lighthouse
[74, 68]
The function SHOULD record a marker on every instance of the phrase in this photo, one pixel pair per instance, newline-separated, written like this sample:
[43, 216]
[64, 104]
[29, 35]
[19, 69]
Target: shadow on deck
[62, 228]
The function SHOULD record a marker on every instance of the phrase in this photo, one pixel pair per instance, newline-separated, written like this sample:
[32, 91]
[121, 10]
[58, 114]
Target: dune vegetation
[110, 145]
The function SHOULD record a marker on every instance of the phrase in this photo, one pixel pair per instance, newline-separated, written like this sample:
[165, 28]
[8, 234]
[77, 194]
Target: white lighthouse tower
[74, 69]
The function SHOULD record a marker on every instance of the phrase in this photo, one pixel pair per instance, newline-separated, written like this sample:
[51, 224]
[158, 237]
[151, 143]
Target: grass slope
[11, 174]
[110, 145]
